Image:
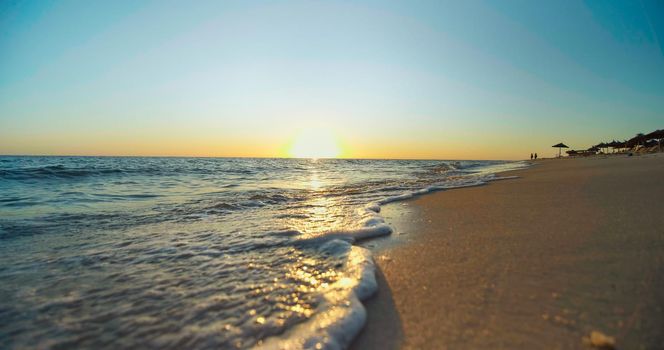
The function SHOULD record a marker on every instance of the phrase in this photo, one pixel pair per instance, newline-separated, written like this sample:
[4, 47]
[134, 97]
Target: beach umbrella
[560, 147]
[635, 141]
[600, 146]
[613, 144]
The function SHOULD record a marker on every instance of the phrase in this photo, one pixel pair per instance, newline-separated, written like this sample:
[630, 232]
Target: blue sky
[440, 79]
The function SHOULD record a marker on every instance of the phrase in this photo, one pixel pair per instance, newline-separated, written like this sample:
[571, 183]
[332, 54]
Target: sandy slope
[572, 246]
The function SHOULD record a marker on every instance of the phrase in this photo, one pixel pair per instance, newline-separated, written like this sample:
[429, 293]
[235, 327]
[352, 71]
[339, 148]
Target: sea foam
[223, 253]
[342, 314]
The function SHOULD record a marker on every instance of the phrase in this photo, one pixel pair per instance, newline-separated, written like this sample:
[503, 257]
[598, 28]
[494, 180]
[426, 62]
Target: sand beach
[331, 175]
[570, 247]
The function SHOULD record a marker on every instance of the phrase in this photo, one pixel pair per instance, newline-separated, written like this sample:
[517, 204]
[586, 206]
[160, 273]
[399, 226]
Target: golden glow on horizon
[315, 143]
[280, 141]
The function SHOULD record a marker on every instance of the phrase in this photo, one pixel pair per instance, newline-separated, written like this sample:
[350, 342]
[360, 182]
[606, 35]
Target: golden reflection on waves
[314, 181]
[320, 212]
[309, 276]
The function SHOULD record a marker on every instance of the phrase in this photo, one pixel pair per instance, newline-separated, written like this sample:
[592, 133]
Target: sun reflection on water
[308, 276]
[315, 182]
[322, 209]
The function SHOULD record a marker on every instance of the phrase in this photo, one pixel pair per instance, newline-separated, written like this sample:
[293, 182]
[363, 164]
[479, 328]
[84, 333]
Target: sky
[384, 79]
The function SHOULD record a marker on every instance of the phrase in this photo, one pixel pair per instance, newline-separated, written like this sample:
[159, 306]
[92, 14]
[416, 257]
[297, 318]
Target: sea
[199, 253]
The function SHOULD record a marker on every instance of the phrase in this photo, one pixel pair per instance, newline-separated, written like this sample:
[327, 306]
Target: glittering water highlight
[107, 252]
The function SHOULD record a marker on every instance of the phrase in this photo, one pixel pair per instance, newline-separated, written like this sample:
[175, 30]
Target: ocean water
[118, 252]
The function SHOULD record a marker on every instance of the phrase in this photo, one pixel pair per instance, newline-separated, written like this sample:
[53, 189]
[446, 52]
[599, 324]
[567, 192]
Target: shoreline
[567, 248]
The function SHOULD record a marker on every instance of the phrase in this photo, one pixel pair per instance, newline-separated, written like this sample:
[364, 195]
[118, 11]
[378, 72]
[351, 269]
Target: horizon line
[240, 157]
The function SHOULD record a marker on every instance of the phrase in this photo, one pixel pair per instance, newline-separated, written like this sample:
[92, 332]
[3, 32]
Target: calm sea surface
[115, 252]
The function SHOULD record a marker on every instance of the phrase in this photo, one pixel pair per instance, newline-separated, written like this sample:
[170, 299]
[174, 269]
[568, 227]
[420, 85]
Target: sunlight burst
[315, 143]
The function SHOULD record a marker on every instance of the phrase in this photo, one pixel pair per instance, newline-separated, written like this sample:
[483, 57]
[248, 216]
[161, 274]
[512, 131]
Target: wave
[239, 234]
[53, 172]
[343, 314]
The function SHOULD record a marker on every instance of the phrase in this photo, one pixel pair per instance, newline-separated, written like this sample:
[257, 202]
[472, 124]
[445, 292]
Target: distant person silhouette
[535, 156]
[531, 156]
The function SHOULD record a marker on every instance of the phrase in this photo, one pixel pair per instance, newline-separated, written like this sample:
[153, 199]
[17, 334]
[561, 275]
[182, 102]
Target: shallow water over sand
[195, 252]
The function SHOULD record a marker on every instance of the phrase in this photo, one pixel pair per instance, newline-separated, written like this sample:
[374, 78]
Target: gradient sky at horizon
[411, 79]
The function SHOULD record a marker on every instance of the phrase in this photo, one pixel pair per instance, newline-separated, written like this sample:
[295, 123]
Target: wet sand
[538, 262]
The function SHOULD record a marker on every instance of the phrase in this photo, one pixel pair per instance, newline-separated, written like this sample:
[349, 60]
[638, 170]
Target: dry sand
[572, 246]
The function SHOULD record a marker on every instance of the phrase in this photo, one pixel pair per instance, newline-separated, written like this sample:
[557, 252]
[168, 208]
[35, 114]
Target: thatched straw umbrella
[560, 147]
[614, 144]
[636, 140]
[601, 146]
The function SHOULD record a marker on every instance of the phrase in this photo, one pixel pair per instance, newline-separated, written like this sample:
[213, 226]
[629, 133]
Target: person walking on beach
[535, 156]
[531, 156]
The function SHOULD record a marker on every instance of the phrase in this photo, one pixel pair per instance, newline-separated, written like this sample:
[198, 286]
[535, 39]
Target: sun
[315, 143]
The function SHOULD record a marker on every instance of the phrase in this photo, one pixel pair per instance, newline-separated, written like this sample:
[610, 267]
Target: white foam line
[380, 229]
[505, 178]
[343, 314]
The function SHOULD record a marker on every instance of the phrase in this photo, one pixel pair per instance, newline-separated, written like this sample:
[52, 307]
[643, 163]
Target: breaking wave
[197, 252]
